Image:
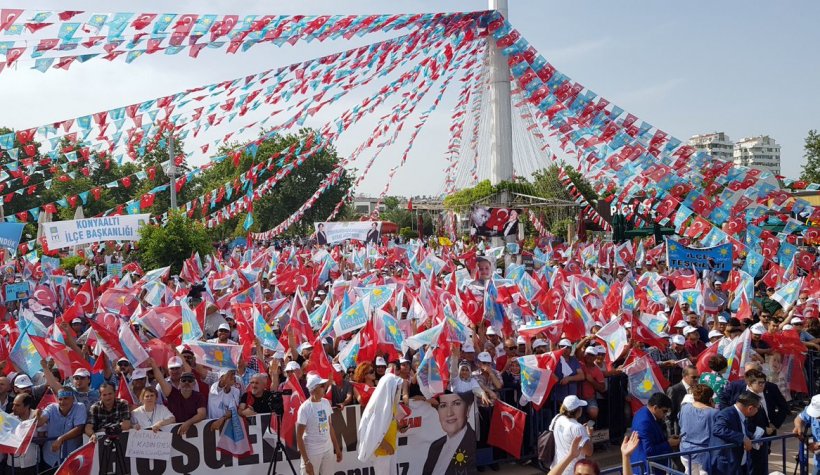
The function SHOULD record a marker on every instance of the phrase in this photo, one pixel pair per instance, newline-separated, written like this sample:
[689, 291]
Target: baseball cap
[175, 362]
[23, 381]
[813, 409]
[224, 326]
[681, 324]
[403, 360]
[564, 343]
[715, 334]
[485, 357]
[678, 340]
[796, 321]
[139, 373]
[520, 341]
[314, 381]
[758, 329]
[591, 350]
[722, 319]
[538, 343]
[491, 331]
[304, 346]
[76, 320]
[82, 372]
[380, 361]
[292, 366]
[468, 347]
[689, 330]
[572, 403]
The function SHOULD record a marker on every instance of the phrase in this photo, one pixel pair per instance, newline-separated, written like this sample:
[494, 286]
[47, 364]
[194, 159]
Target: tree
[170, 244]
[811, 170]
[391, 203]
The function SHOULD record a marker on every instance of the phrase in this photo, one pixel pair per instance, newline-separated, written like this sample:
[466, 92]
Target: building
[717, 144]
[758, 152]
[365, 205]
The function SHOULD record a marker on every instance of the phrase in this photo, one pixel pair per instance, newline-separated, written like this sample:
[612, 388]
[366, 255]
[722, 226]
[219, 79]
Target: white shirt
[448, 451]
[28, 459]
[458, 385]
[315, 416]
[564, 431]
[147, 419]
[220, 402]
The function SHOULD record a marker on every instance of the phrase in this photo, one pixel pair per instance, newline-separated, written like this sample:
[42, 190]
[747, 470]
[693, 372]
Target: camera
[112, 430]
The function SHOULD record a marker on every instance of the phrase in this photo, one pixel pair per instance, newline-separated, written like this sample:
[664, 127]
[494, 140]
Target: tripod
[112, 452]
[279, 448]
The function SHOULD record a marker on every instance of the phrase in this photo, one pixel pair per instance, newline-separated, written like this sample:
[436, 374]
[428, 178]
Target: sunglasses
[512, 348]
[123, 363]
[78, 377]
[186, 380]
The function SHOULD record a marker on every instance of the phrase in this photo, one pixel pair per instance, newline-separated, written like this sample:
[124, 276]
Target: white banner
[420, 446]
[149, 444]
[333, 232]
[60, 234]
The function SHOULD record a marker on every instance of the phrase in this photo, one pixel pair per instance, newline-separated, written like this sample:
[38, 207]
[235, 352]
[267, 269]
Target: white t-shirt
[220, 402]
[147, 419]
[315, 416]
[564, 431]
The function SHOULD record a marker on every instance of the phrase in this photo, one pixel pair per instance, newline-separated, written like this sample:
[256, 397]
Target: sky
[742, 67]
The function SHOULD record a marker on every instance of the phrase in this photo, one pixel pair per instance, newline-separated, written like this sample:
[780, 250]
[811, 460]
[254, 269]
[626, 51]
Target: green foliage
[811, 170]
[171, 244]
[465, 198]
[561, 226]
[408, 233]
[68, 263]
[548, 185]
[391, 203]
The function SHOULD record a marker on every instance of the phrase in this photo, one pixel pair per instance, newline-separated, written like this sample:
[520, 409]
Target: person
[107, 412]
[449, 454]
[26, 464]
[714, 378]
[773, 410]
[364, 381]
[808, 423]
[484, 270]
[730, 427]
[695, 422]
[187, 406]
[511, 226]
[676, 393]
[64, 422]
[379, 426]
[566, 428]
[593, 383]
[466, 382]
[321, 235]
[6, 395]
[373, 235]
[315, 437]
[223, 398]
[647, 423]
[589, 467]
[258, 400]
[568, 371]
[150, 415]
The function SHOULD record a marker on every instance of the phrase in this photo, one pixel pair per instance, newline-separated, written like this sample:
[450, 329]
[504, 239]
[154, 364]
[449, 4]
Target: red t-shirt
[586, 391]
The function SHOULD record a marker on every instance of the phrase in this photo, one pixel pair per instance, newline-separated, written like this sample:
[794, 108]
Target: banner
[114, 270]
[60, 234]
[17, 291]
[333, 232]
[418, 448]
[10, 235]
[493, 222]
[718, 258]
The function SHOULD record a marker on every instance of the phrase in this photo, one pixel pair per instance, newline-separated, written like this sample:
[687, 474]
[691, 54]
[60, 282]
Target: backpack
[546, 449]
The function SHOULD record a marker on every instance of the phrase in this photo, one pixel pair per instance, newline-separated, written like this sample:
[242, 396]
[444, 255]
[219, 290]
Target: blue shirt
[814, 423]
[58, 425]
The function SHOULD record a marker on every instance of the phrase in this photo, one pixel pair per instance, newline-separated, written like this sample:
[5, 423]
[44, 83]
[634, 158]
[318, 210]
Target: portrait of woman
[454, 452]
[373, 235]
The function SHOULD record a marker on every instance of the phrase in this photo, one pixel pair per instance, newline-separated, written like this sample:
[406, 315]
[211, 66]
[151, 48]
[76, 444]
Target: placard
[10, 235]
[60, 234]
[333, 232]
[492, 222]
[718, 258]
[114, 270]
[17, 291]
[147, 444]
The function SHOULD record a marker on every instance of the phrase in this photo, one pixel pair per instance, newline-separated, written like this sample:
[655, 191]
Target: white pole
[501, 139]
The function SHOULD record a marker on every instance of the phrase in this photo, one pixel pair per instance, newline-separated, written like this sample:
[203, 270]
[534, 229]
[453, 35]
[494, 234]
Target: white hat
[321, 292]
[23, 381]
[538, 343]
[304, 346]
[689, 330]
[468, 347]
[591, 350]
[76, 320]
[520, 341]
[722, 319]
[758, 329]
[314, 381]
[564, 343]
[491, 331]
[813, 409]
[380, 361]
[681, 324]
[572, 403]
[601, 350]
[664, 335]
[175, 362]
[796, 321]
[292, 366]
[715, 334]
[266, 291]
[403, 360]
[82, 372]
[139, 373]
[788, 327]
[678, 340]
[279, 355]
[485, 357]
[224, 326]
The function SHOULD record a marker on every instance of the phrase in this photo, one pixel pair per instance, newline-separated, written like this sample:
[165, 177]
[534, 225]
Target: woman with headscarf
[379, 427]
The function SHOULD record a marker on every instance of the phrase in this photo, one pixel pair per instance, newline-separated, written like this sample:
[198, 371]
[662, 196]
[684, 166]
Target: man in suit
[772, 413]
[647, 423]
[676, 393]
[321, 236]
[775, 405]
[730, 426]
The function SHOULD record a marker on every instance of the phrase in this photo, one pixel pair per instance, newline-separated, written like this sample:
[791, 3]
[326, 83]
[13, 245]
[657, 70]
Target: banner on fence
[718, 258]
[10, 235]
[60, 234]
[333, 232]
[420, 450]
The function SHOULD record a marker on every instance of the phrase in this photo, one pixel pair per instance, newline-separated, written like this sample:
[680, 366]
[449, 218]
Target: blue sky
[743, 67]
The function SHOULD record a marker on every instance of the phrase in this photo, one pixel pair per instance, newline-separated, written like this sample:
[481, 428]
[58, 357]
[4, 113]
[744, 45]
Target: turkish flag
[319, 363]
[80, 462]
[507, 428]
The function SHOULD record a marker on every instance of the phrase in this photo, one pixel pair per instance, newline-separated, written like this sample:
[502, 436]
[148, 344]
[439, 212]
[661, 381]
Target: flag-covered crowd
[287, 327]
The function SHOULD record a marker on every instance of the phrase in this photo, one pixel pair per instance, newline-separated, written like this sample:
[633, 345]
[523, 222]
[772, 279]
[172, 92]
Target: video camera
[112, 430]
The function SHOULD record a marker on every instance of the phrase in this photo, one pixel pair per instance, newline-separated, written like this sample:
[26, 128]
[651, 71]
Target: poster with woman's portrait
[494, 222]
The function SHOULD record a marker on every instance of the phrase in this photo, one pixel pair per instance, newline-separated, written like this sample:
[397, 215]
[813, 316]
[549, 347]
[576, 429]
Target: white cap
[601, 350]
[76, 320]
[681, 324]
[678, 340]
[758, 329]
[572, 403]
[224, 326]
[22, 381]
[292, 366]
[485, 357]
[715, 334]
[788, 327]
[139, 373]
[591, 350]
[796, 321]
[813, 409]
[664, 335]
[722, 319]
[380, 361]
[321, 292]
[520, 341]
[564, 343]
[314, 381]
[175, 362]
[468, 347]
[279, 355]
[82, 372]
[689, 330]
[491, 331]
[538, 343]
[304, 346]
[403, 360]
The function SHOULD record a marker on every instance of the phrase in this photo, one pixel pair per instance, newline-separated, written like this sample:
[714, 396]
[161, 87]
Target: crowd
[707, 358]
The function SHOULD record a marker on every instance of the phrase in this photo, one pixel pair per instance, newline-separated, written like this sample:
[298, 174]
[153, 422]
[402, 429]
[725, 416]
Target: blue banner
[17, 291]
[10, 235]
[718, 258]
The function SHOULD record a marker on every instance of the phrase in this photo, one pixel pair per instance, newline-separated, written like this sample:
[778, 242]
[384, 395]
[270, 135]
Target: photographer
[109, 414]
